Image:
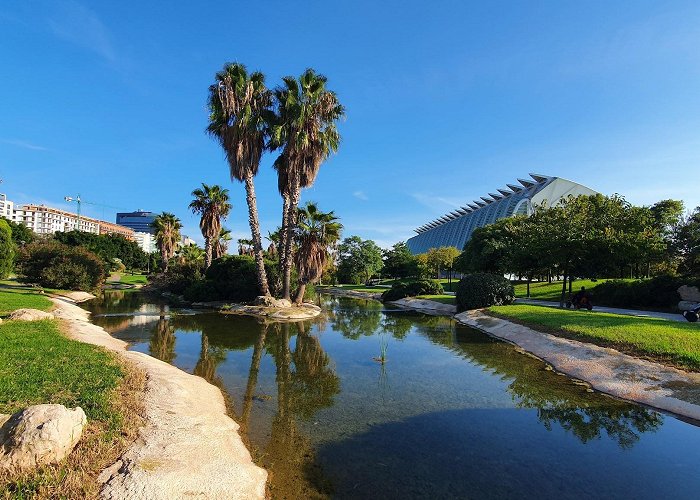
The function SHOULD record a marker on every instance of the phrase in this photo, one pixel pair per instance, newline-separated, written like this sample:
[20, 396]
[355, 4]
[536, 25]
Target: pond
[451, 414]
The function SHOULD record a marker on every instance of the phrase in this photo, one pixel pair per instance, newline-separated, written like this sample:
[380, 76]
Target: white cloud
[79, 25]
[437, 203]
[23, 144]
[360, 195]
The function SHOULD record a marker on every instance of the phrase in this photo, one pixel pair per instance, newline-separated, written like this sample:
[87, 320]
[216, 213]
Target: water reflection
[324, 419]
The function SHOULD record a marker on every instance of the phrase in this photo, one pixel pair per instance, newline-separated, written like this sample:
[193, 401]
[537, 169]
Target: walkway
[613, 310]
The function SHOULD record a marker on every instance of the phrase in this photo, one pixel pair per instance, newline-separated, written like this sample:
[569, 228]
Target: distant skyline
[445, 101]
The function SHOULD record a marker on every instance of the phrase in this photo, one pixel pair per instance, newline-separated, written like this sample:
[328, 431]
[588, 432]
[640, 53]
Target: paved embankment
[188, 446]
[606, 370]
[426, 305]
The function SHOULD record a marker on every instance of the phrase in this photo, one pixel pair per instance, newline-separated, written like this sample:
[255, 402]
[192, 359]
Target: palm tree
[221, 244]
[191, 254]
[305, 130]
[316, 232]
[245, 246]
[240, 113]
[211, 202]
[167, 228]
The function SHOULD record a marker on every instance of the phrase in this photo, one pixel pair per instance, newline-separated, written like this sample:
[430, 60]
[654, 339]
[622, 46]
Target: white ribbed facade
[455, 229]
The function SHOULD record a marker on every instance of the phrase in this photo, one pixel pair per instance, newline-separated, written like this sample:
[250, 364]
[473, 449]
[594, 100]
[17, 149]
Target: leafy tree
[305, 130]
[55, 265]
[212, 203]
[239, 119]
[358, 260]
[688, 244]
[316, 232]
[21, 234]
[490, 248]
[107, 246]
[399, 262]
[167, 228]
[439, 259]
[7, 249]
[191, 254]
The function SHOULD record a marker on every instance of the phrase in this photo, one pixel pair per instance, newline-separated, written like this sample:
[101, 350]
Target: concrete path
[189, 447]
[613, 310]
[606, 370]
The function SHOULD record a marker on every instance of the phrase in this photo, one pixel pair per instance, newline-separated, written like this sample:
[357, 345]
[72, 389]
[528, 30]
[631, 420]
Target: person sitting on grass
[692, 315]
[581, 299]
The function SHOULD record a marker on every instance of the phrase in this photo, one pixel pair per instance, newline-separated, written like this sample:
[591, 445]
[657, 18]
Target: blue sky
[445, 101]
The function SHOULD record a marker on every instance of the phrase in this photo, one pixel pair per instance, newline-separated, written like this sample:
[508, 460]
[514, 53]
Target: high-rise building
[6, 207]
[455, 229]
[139, 221]
[146, 241]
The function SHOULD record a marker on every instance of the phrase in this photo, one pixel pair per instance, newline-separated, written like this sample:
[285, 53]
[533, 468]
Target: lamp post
[77, 200]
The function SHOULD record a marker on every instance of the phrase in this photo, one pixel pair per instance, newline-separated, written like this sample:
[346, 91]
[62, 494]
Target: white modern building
[47, 220]
[455, 229]
[146, 241]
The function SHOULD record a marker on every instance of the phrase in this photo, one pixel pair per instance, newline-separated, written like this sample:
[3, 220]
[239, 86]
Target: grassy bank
[669, 342]
[552, 291]
[21, 298]
[135, 279]
[39, 364]
[444, 299]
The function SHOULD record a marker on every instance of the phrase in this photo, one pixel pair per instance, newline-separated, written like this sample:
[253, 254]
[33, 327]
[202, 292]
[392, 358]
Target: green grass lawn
[671, 342]
[20, 298]
[445, 299]
[362, 288]
[136, 279]
[552, 291]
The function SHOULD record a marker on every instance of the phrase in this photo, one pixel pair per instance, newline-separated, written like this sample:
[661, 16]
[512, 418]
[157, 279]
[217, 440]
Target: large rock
[266, 301]
[30, 315]
[689, 293]
[39, 435]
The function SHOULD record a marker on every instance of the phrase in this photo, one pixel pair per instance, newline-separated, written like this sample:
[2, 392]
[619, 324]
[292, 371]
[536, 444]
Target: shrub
[7, 249]
[660, 292]
[55, 265]
[479, 290]
[411, 289]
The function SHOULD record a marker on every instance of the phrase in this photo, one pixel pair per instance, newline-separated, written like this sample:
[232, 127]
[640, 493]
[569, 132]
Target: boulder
[689, 293]
[30, 315]
[39, 435]
[266, 301]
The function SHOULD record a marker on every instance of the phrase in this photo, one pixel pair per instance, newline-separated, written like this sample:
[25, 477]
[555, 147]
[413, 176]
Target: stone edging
[188, 447]
[606, 370]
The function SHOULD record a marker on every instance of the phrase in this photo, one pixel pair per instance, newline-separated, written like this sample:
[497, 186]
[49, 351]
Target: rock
[687, 305]
[266, 301]
[30, 315]
[40, 435]
[689, 293]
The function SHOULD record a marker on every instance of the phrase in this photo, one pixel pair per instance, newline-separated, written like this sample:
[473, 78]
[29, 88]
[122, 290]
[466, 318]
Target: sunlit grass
[671, 341]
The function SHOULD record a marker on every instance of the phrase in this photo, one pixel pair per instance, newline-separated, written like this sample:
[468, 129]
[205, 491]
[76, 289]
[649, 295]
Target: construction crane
[79, 201]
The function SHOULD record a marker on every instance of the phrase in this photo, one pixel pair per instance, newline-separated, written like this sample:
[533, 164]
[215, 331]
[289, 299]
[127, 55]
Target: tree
[191, 254]
[316, 232]
[688, 244]
[305, 131]
[212, 203]
[358, 260]
[399, 262]
[490, 248]
[7, 249]
[221, 244]
[107, 246]
[21, 234]
[441, 258]
[668, 216]
[239, 119]
[167, 228]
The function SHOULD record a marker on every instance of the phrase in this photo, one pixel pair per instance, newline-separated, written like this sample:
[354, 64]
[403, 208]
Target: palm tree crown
[212, 203]
[167, 228]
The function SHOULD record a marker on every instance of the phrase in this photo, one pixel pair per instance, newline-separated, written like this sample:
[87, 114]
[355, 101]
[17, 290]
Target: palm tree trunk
[255, 233]
[299, 298]
[281, 249]
[291, 225]
[252, 379]
[207, 252]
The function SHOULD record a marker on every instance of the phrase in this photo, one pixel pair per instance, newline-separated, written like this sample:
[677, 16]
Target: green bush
[660, 292]
[411, 289]
[7, 249]
[54, 265]
[179, 278]
[479, 290]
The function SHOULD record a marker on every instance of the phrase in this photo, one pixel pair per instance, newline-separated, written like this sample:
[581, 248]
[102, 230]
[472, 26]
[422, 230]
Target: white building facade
[145, 241]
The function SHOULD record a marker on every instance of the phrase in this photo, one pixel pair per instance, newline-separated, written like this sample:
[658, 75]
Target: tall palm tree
[316, 232]
[167, 228]
[305, 130]
[212, 203]
[221, 244]
[240, 113]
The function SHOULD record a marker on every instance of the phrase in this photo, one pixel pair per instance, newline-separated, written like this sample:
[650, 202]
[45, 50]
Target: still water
[451, 414]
